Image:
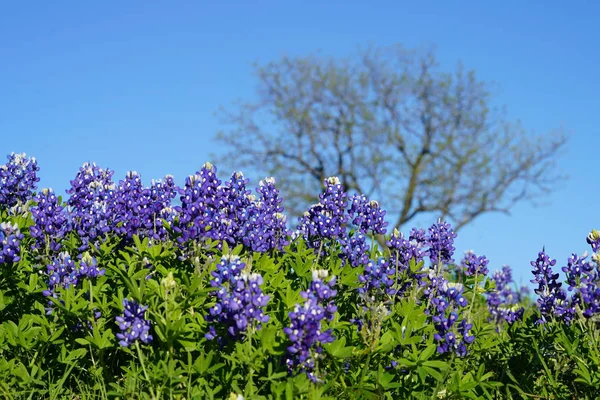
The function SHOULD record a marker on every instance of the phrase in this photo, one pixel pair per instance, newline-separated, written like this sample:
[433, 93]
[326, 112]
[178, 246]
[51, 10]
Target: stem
[91, 298]
[437, 270]
[141, 357]
[474, 294]
[397, 276]
[102, 387]
[250, 381]
[366, 367]
[434, 395]
[319, 253]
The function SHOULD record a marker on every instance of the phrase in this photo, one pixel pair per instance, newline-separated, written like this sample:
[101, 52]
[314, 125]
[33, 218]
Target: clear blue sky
[134, 85]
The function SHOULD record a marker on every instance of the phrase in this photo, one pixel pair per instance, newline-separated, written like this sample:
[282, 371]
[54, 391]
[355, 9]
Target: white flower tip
[333, 180]
[269, 180]
[319, 274]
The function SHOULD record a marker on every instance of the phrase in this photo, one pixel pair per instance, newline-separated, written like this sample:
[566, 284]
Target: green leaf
[436, 364]
[267, 337]
[338, 348]
[82, 341]
[428, 352]
[433, 372]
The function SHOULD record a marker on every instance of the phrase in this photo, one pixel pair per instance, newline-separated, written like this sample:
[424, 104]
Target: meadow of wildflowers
[129, 290]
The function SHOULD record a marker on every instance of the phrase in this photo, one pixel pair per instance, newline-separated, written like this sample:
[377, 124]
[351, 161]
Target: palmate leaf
[338, 348]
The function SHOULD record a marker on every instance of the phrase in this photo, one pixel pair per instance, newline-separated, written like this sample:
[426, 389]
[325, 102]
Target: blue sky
[134, 85]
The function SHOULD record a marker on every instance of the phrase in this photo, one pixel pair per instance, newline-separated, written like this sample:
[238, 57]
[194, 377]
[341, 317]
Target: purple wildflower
[402, 251]
[63, 272]
[233, 214]
[452, 332]
[10, 243]
[91, 193]
[88, 267]
[199, 204]
[267, 228]
[355, 249]
[593, 240]
[51, 221]
[305, 332]
[585, 280]
[367, 215]
[18, 180]
[326, 219]
[240, 301]
[133, 324]
[578, 271]
[377, 280]
[162, 192]
[441, 240]
[130, 207]
[503, 301]
[474, 265]
[552, 300]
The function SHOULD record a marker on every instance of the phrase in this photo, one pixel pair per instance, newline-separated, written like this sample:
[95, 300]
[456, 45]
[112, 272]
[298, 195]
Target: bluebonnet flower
[593, 240]
[240, 301]
[137, 210]
[552, 300]
[50, 221]
[578, 271]
[503, 300]
[133, 324]
[355, 249]
[464, 332]
[63, 272]
[162, 192]
[452, 331]
[590, 295]
[233, 211]
[305, 331]
[584, 278]
[10, 243]
[88, 266]
[367, 215]
[402, 251]
[18, 180]
[267, 228]
[474, 265]
[377, 279]
[334, 199]
[441, 241]
[375, 293]
[326, 219]
[199, 204]
[130, 207]
[90, 195]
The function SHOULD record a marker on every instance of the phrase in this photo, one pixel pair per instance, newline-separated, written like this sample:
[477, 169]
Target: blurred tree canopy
[391, 125]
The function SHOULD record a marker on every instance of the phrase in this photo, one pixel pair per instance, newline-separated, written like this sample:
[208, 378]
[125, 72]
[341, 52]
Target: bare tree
[394, 127]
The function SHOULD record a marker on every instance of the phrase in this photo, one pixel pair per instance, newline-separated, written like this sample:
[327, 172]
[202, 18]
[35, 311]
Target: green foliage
[72, 352]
